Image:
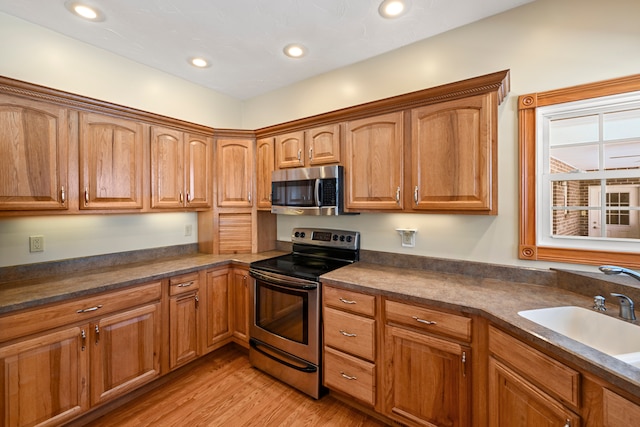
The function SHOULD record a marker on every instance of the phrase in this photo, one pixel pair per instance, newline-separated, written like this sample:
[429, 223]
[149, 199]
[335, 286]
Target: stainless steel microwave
[308, 191]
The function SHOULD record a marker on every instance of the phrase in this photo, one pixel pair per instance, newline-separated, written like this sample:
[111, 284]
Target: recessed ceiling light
[392, 8]
[199, 62]
[85, 11]
[294, 50]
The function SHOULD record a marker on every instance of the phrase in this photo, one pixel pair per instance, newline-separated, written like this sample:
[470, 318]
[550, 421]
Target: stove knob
[297, 234]
[349, 239]
[302, 234]
[342, 238]
[335, 237]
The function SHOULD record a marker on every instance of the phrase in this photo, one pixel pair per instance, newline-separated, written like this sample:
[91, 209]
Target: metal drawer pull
[63, 195]
[185, 284]
[426, 322]
[347, 334]
[346, 301]
[348, 377]
[90, 309]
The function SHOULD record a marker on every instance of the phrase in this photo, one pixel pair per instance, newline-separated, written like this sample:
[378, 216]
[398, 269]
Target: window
[580, 174]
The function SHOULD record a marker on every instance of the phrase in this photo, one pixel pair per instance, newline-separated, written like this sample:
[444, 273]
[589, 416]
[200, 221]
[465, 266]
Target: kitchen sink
[607, 334]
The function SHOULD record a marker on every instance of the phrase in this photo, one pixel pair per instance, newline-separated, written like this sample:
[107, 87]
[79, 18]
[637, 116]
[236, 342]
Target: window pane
[574, 130]
[622, 155]
[574, 159]
[621, 125]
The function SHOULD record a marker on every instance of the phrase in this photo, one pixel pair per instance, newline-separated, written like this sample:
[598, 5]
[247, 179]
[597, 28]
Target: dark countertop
[496, 300]
[23, 294]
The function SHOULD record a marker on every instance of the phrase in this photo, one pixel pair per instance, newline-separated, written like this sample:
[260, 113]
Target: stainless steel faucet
[612, 269]
[626, 307]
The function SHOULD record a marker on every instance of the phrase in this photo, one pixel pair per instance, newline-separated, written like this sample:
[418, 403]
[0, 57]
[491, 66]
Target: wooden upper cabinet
[290, 150]
[180, 169]
[373, 167]
[234, 172]
[198, 160]
[453, 156]
[264, 167]
[111, 162]
[33, 155]
[313, 147]
[323, 145]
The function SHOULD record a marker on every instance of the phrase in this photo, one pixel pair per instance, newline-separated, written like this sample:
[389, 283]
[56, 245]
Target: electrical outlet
[36, 243]
[188, 230]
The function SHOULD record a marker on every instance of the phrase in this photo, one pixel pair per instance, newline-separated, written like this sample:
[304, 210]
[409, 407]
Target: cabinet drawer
[354, 302]
[183, 284]
[350, 333]
[550, 375]
[349, 375]
[80, 310]
[428, 320]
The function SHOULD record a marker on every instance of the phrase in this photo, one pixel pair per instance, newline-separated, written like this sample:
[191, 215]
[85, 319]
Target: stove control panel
[327, 237]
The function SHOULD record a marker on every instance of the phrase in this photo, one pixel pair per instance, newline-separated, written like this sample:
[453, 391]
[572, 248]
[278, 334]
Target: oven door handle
[307, 368]
[283, 281]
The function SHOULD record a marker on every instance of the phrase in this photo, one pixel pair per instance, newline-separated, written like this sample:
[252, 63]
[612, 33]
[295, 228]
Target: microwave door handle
[317, 189]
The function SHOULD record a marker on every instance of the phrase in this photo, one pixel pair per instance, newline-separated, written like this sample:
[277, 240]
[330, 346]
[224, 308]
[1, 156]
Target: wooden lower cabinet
[125, 352]
[427, 380]
[184, 319]
[215, 317]
[44, 378]
[240, 288]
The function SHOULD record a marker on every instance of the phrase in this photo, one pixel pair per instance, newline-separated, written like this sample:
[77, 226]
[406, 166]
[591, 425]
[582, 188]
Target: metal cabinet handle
[83, 335]
[181, 198]
[311, 153]
[348, 377]
[398, 195]
[415, 195]
[189, 198]
[86, 196]
[426, 322]
[346, 301]
[185, 284]
[90, 309]
[347, 334]
[197, 300]
[63, 195]
[249, 196]
[97, 329]
[299, 154]
[568, 423]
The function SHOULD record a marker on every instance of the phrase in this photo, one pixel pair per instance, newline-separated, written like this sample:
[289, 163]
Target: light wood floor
[222, 389]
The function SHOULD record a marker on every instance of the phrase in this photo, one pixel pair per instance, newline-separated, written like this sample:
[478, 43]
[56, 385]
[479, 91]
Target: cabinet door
[373, 167]
[44, 379]
[125, 351]
[183, 329]
[234, 172]
[290, 150]
[33, 155]
[453, 155]
[216, 319]
[264, 168]
[514, 402]
[111, 162]
[240, 306]
[426, 379]
[323, 145]
[198, 169]
[167, 168]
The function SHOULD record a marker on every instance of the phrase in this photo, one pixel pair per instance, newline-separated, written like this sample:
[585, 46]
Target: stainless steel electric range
[285, 329]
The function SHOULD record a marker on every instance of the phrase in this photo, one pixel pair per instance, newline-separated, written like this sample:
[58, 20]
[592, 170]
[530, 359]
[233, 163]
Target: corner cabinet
[34, 146]
[453, 156]
[265, 165]
[234, 173]
[111, 162]
[373, 168]
[180, 169]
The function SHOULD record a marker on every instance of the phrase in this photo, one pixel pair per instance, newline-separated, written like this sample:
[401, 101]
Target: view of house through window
[589, 154]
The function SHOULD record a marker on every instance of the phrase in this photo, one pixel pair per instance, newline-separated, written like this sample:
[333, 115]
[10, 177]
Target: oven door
[286, 314]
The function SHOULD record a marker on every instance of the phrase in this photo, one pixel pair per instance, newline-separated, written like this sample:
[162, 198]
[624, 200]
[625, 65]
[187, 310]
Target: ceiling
[244, 39]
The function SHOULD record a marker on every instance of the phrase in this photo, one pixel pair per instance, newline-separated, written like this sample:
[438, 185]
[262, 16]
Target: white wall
[546, 44]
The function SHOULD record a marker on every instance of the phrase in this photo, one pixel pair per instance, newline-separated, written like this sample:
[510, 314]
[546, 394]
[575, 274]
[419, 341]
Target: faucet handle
[626, 306]
[598, 303]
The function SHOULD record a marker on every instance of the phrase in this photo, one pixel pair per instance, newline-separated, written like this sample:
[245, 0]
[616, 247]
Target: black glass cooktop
[303, 266]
